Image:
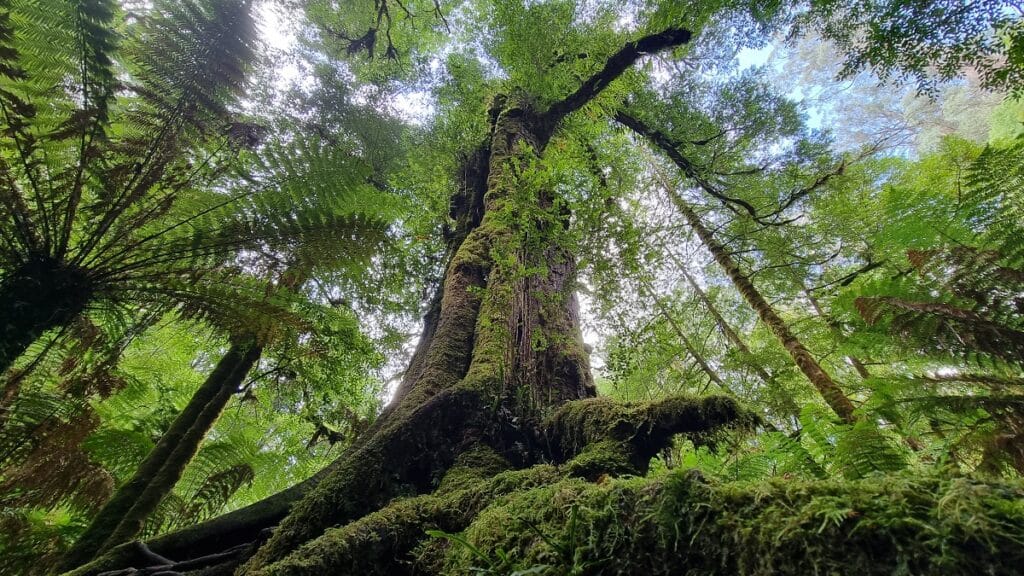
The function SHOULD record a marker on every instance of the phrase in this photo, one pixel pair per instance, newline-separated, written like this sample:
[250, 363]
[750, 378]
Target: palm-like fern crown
[101, 126]
[125, 166]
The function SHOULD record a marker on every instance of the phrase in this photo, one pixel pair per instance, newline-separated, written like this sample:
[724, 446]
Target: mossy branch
[577, 428]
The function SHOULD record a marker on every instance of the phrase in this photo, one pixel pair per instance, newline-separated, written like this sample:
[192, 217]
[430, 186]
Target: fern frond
[954, 329]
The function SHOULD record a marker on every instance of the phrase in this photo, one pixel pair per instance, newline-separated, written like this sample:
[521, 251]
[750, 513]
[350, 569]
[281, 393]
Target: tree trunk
[804, 360]
[726, 329]
[702, 362]
[500, 350]
[789, 405]
[122, 517]
[41, 294]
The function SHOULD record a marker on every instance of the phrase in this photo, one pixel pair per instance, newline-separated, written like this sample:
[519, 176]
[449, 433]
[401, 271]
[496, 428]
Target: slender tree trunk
[789, 405]
[231, 371]
[40, 295]
[725, 328]
[692, 350]
[805, 361]
[157, 474]
[859, 366]
[702, 362]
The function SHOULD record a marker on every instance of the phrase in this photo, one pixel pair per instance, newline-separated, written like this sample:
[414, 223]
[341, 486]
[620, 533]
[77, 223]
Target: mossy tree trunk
[804, 360]
[501, 346]
[788, 405]
[496, 414]
[726, 329]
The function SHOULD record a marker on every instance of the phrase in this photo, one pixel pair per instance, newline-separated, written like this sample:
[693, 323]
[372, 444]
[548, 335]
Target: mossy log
[575, 516]
[683, 524]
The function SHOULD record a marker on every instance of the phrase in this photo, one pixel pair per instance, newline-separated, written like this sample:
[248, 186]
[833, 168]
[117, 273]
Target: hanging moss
[681, 524]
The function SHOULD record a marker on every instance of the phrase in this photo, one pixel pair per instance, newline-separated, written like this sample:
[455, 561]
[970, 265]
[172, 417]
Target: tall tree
[494, 431]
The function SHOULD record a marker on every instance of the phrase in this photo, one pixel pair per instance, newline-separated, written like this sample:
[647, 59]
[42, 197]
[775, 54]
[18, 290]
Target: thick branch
[671, 149]
[614, 67]
[648, 428]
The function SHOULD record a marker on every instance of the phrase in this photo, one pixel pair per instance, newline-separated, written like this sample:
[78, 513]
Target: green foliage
[925, 42]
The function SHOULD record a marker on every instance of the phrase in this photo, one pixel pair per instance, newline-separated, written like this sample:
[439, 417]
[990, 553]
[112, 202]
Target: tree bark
[231, 371]
[805, 361]
[690, 349]
[39, 295]
[789, 405]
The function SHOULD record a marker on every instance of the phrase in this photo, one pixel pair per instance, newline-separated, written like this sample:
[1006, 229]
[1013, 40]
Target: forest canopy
[549, 287]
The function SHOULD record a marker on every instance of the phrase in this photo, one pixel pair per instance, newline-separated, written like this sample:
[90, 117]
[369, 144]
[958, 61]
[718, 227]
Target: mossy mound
[682, 524]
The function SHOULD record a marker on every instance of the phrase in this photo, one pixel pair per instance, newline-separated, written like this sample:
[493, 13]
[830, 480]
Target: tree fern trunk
[229, 374]
[829, 390]
[39, 295]
[134, 501]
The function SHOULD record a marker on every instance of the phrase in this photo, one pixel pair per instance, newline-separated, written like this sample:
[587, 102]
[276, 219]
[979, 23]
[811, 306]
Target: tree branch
[614, 67]
[671, 149]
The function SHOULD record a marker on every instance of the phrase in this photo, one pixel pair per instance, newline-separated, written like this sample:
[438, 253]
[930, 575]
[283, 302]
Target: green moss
[605, 457]
[382, 540]
[471, 468]
[681, 524]
[646, 427]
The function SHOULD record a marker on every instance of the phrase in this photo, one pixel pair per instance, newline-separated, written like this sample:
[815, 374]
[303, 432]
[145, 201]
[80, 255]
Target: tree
[495, 424]
[88, 168]
[495, 454]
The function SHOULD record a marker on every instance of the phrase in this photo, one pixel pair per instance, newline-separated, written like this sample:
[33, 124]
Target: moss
[681, 524]
[471, 467]
[646, 427]
[384, 541]
[605, 457]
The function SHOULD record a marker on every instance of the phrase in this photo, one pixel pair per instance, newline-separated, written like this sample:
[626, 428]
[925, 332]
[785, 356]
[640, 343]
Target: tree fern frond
[957, 330]
[59, 470]
[864, 449]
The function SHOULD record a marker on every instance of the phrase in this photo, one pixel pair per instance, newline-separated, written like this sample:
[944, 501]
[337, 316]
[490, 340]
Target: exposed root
[383, 542]
[406, 456]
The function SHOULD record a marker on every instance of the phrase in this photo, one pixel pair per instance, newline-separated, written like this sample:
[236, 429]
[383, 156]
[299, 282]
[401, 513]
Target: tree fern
[83, 166]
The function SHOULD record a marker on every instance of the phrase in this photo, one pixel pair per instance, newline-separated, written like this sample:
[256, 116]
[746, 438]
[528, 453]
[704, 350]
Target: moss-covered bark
[682, 524]
[600, 436]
